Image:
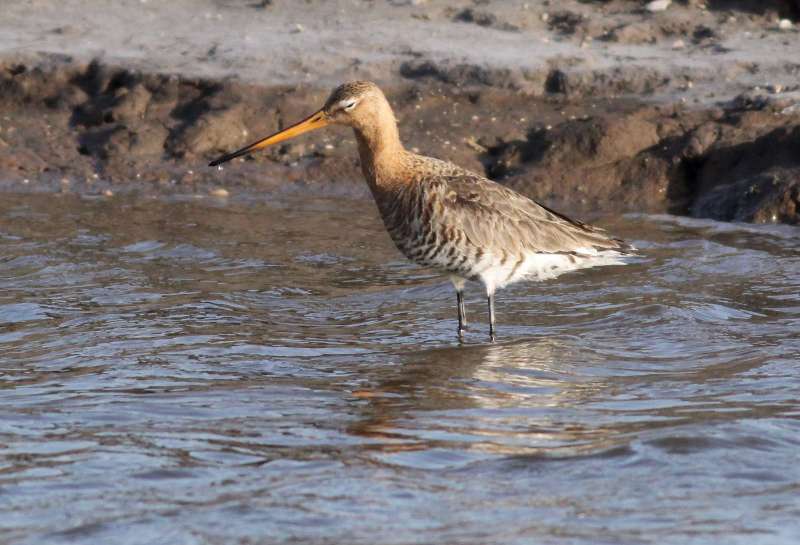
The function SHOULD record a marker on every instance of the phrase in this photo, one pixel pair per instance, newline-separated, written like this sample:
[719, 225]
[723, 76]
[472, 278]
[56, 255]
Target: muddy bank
[91, 126]
[587, 106]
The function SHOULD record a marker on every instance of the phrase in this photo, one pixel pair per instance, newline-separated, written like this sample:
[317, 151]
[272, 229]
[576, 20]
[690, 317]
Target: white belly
[542, 266]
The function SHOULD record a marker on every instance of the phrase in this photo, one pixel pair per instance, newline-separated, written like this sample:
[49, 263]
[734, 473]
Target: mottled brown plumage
[448, 218]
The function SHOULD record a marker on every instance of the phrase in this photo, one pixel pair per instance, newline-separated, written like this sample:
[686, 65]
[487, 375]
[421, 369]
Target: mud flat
[588, 106]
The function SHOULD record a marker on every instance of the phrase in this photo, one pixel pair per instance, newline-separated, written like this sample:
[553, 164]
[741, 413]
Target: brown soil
[612, 137]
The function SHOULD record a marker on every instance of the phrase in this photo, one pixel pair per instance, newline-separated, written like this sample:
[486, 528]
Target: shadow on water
[209, 371]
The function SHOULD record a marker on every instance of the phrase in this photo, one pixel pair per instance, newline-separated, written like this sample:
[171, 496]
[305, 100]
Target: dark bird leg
[492, 335]
[462, 313]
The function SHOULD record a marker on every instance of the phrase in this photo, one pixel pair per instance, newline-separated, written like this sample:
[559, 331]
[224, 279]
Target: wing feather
[495, 217]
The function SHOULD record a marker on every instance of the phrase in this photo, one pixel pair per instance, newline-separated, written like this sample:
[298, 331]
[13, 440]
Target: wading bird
[448, 218]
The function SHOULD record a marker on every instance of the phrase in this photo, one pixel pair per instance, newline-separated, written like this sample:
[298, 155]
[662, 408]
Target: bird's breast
[424, 232]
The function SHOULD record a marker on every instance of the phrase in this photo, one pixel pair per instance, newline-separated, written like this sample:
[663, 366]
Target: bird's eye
[348, 105]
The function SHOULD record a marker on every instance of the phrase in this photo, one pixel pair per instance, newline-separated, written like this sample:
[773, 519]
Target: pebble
[108, 193]
[785, 24]
[657, 5]
[472, 143]
[219, 192]
[678, 44]
[792, 110]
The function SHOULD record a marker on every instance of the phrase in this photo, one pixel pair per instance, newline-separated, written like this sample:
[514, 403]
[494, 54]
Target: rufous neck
[378, 141]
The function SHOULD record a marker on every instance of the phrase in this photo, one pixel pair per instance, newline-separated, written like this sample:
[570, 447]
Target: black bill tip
[225, 158]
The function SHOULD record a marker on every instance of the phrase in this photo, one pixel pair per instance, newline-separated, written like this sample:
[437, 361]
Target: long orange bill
[314, 121]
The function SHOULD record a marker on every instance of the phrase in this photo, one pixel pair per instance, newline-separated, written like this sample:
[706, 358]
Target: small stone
[678, 44]
[657, 5]
[785, 24]
[472, 143]
[298, 28]
[108, 193]
[794, 109]
[219, 192]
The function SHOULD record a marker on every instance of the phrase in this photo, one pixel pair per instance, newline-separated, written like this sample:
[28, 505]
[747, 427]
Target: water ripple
[188, 371]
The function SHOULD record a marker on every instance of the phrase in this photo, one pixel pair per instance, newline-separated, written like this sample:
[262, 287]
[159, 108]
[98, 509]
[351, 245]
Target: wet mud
[692, 135]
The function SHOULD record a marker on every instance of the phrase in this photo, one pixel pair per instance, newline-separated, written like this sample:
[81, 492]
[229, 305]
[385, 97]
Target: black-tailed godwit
[448, 218]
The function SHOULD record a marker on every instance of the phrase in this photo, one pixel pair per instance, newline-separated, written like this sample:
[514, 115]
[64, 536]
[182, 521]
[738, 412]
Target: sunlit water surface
[191, 371]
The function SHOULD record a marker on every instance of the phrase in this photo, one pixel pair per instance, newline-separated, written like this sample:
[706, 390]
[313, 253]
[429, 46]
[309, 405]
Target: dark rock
[462, 74]
[482, 18]
[565, 22]
[768, 197]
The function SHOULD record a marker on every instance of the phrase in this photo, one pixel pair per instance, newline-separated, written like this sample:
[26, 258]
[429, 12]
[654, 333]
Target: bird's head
[355, 104]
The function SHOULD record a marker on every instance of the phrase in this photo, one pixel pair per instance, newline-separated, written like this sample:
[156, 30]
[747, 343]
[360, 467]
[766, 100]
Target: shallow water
[264, 370]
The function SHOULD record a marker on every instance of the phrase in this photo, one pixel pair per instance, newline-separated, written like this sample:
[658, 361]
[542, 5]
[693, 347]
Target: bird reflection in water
[508, 398]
